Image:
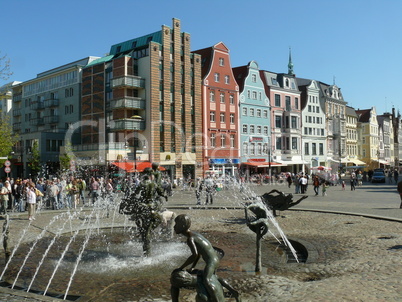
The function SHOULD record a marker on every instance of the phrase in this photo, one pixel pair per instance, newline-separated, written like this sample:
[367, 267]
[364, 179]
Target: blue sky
[357, 43]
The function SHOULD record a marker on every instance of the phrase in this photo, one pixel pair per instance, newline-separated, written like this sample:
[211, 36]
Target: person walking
[316, 184]
[4, 197]
[31, 200]
[303, 184]
[353, 181]
[396, 176]
[400, 192]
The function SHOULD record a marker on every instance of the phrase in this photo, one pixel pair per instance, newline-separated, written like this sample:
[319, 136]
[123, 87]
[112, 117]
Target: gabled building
[314, 134]
[386, 139]
[254, 120]
[368, 138]
[352, 138]
[220, 111]
[332, 100]
[284, 95]
[142, 104]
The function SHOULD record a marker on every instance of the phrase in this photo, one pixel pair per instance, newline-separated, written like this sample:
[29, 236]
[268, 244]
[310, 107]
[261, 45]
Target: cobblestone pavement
[351, 258]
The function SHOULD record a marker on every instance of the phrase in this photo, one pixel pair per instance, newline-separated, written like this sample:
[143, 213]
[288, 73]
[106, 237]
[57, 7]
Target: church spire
[290, 64]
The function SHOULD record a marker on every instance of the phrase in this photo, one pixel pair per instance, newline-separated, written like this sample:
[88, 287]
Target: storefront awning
[358, 162]
[294, 162]
[263, 164]
[130, 166]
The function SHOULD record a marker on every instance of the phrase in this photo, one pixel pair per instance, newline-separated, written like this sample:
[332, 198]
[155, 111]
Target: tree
[5, 72]
[65, 159]
[35, 163]
[8, 137]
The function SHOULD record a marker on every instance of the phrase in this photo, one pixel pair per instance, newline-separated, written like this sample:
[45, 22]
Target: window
[313, 149]
[253, 78]
[245, 148]
[288, 103]
[321, 148]
[248, 94]
[258, 112]
[231, 99]
[222, 97]
[71, 109]
[223, 140]
[221, 62]
[227, 79]
[222, 117]
[254, 95]
[265, 130]
[245, 129]
[232, 141]
[216, 76]
[309, 108]
[294, 143]
[212, 116]
[306, 149]
[277, 100]
[244, 110]
[252, 149]
[278, 143]
[294, 122]
[317, 109]
[259, 149]
[252, 129]
[251, 111]
[278, 121]
[213, 139]
[265, 113]
[232, 118]
[259, 129]
[212, 96]
[65, 109]
[297, 103]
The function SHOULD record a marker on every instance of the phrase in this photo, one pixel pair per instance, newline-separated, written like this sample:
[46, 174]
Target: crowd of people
[21, 195]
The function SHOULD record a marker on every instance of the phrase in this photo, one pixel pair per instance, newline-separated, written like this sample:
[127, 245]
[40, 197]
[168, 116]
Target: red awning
[263, 164]
[129, 166]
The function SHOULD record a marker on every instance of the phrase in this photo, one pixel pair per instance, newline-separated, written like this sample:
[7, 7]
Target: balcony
[128, 103]
[16, 126]
[51, 103]
[16, 112]
[37, 121]
[127, 124]
[52, 119]
[17, 98]
[37, 106]
[128, 81]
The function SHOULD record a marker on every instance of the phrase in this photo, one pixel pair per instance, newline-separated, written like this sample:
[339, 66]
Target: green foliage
[8, 138]
[35, 163]
[65, 158]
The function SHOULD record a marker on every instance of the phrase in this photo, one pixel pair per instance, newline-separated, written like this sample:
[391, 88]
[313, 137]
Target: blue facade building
[255, 118]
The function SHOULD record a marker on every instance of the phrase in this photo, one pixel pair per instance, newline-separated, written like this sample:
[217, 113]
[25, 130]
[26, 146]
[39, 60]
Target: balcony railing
[37, 106]
[128, 102]
[16, 112]
[52, 119]
[127, 124]
[37, 121]
[51, 103]
[128, 81]
[16, 126]
[101, 146]
[17, 97]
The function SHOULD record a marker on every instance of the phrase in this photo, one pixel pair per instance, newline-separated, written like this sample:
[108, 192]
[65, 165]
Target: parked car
[378, 177]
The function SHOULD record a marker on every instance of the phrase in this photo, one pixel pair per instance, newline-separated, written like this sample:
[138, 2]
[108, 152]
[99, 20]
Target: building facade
[314, 134]
[142, 103]
[332, 100]
[369, 146]
[254, 120]
[220, 111]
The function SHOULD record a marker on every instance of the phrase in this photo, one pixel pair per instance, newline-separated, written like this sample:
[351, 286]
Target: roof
[206, 58]
[100, 60]
[136, 43]
[350, 111]
[240, 73]
[363, 116]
